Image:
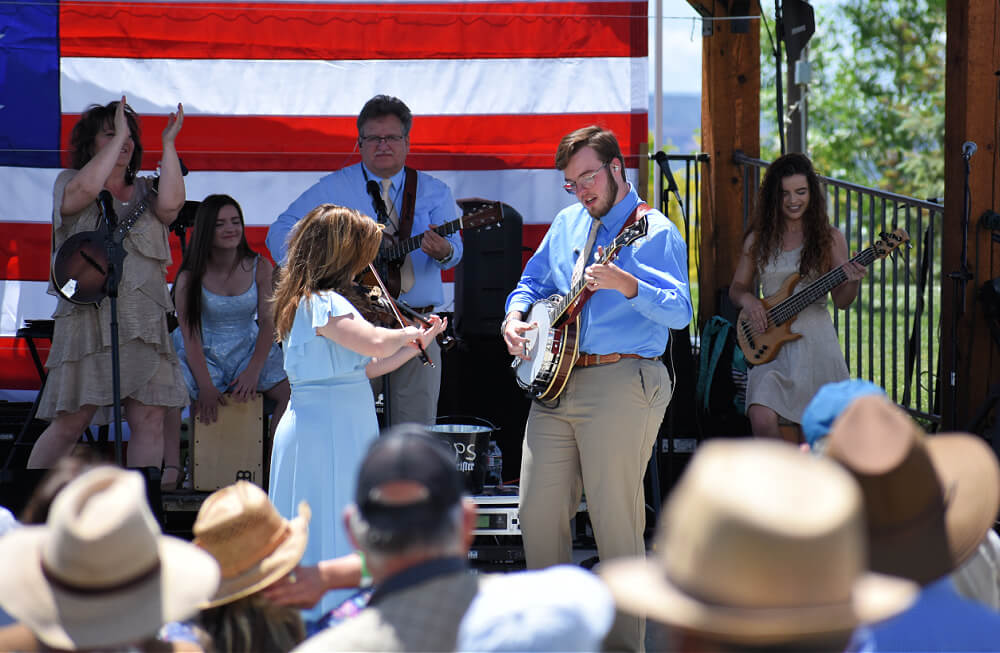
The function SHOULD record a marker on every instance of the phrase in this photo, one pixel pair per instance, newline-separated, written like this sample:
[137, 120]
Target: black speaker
[489, 270]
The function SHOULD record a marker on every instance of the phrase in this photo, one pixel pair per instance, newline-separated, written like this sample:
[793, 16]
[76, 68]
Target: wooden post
[972, 86]
[730, 121]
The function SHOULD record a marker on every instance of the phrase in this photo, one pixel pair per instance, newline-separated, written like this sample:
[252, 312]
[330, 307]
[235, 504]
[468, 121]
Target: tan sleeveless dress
[788, 383]
[79, 362]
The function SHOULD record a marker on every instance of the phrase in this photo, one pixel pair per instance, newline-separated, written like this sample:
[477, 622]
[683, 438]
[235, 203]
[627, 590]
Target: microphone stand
[382, 214]
[116, 259]
[961, 277]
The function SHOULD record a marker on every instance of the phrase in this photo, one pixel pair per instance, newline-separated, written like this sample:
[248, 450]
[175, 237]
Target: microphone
[968, 149]
[377, 202]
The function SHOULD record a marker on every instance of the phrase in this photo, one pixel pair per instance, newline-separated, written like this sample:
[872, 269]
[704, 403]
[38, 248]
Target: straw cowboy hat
[254, 545]
[929, 500]
[100, 572]
[759, 544]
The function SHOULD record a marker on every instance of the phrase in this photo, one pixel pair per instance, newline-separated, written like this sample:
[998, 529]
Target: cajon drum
[231, 448]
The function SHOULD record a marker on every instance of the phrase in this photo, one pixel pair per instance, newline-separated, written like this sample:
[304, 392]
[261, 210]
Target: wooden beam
[972, 88]
[730, 121]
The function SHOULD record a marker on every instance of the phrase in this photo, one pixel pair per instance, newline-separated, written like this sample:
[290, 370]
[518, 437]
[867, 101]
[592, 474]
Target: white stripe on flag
[340, 88]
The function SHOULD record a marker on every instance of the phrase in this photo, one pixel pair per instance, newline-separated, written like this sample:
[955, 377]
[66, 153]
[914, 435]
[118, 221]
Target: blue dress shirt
[347, 187]
[609, 322]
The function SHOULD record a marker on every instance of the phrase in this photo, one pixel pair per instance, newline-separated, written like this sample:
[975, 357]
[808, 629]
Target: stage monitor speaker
[489, 270]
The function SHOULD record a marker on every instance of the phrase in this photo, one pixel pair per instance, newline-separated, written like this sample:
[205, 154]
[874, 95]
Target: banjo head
[539, 339]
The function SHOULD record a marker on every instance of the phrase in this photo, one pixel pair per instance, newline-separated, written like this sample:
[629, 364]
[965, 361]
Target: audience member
[414, 525]
[827, 404]
[759, 547]
[99, 574]
[255, 547]
[929, 502]
[561, 608]
[979, 577]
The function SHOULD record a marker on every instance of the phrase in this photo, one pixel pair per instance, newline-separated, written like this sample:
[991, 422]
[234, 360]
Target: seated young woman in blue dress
[225, 340]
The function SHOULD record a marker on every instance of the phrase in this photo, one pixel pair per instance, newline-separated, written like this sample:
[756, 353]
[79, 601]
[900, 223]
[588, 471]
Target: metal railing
[890, 333]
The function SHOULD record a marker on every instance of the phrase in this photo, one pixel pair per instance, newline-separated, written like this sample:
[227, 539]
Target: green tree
[876, 101]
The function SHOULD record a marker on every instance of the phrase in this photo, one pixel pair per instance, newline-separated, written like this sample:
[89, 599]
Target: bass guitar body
[783, 306]
[552, 352]
[80, 268]
[760, 348]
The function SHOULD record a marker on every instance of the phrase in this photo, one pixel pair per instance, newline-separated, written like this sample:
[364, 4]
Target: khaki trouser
[599, 437]
[414, 389]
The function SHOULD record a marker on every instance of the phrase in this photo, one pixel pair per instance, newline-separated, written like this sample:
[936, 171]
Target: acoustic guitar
[389, 260]
[783, 306]
[80, 266]
[554, 345]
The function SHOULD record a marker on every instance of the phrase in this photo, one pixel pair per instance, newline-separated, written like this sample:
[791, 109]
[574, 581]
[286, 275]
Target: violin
[375, 308]
[387, 299]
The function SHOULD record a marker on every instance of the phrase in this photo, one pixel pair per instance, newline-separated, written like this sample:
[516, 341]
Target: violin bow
[424, 358]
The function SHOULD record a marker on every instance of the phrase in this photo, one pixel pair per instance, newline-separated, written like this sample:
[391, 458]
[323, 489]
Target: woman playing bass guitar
[790, 233]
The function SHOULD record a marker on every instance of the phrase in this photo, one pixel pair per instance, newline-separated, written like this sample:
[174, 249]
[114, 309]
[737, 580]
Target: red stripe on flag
[19, 371]
[450, 30]
[25, 257]
[493, 142]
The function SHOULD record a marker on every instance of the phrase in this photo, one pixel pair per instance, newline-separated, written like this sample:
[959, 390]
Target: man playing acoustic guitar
[599, 432]
[414, 202]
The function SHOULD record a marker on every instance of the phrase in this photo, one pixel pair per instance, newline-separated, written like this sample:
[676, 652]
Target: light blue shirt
[347, 187]
[609, 322]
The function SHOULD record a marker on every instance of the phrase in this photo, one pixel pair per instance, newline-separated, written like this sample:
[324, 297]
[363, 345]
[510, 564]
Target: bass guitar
[80, 266]
[390, 258]
[554, 345]
[783, 306]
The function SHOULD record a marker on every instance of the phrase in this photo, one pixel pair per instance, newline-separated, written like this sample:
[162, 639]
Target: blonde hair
[253, 623]
[330, 246]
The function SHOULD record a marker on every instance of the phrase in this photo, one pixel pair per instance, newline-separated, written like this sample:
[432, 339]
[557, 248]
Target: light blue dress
[228, 337]
[324, 433]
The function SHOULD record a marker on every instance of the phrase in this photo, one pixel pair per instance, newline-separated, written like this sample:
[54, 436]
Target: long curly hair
[329, 247]
[768, 221]
[200, 250]
[93, 120]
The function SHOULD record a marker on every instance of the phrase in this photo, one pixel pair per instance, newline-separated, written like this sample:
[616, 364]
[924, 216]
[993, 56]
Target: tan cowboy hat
[254, 545]
[759, 544]
[100, 572]
[929, 500]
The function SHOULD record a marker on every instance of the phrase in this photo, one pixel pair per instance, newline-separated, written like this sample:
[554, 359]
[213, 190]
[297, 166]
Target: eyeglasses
[394, 139]
[585, 181]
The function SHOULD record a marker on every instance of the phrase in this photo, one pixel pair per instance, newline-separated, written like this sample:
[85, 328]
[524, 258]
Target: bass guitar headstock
[889, 242]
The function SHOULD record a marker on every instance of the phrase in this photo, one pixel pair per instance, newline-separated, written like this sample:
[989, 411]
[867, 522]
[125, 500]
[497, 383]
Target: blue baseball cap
[830, 401]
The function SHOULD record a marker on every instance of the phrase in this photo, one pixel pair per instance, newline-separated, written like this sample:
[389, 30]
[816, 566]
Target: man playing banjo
[599, 432]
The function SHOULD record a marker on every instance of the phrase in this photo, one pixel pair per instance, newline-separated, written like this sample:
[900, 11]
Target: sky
[681, 47]
[682, 43]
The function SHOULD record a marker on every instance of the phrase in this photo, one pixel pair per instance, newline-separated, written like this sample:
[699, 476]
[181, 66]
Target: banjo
[554, 345]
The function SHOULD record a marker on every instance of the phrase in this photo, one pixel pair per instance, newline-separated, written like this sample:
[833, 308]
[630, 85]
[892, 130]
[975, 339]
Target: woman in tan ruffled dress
[107, 153]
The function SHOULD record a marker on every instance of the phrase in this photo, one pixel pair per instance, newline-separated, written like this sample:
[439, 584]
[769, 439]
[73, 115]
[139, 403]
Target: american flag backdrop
[271, 91]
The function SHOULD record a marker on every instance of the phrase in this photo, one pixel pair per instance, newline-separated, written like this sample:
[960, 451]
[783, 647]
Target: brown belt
[587, 360]
[423, 309]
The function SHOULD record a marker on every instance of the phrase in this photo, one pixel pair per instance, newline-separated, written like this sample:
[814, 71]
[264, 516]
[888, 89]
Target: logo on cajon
[244, 475]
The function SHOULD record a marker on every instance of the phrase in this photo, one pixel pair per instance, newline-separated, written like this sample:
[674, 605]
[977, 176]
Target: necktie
[406, 277]
[581, 261]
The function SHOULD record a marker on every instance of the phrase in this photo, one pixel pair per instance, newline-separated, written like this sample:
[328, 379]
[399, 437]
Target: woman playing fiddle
[331, 351]
[106, 154]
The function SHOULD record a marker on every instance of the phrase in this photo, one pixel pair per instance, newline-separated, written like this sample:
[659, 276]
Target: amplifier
[496, 515]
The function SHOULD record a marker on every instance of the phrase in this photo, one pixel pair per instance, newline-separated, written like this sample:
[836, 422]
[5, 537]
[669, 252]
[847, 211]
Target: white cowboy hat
[100, 572]
[759, 544]
[253, 544]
